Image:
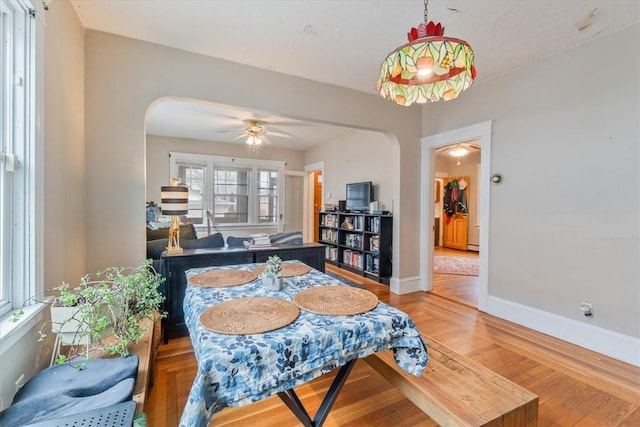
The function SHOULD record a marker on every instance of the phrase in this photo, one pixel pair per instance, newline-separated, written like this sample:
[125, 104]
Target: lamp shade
[174, 199]
[430, 68]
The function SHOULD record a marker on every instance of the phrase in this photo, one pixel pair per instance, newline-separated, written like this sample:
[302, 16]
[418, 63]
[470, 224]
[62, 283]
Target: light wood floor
[456, 287]
[576, 387]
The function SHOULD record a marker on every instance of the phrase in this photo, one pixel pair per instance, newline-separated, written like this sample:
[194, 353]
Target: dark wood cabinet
[175, 283]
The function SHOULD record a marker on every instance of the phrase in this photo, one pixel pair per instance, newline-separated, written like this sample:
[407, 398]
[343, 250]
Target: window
[267, 196]
[231, 195]
[237, 191]
[18, 171]
[193, 177]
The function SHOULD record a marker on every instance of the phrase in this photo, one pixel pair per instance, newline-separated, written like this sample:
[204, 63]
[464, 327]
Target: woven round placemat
[253, 315]
[222, 278]
[288, 269]
[336, 300]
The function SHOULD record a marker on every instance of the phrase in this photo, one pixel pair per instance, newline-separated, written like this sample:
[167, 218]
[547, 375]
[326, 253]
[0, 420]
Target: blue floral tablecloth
[235, 370]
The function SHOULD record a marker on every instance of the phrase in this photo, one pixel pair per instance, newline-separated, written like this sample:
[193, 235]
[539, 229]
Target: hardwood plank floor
[576, 387]
[456, 287]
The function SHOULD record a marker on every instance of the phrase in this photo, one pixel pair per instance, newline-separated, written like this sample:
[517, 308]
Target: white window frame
[21, 162]
[210, 162]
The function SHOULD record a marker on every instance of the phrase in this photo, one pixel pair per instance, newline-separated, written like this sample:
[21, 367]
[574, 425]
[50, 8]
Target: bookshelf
[358, 242]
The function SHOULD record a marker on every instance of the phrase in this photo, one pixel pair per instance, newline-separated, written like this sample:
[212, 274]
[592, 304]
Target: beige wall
[124, 77]
[64, 167]
[564, 224]
[358, 156]
[159, 147]
[64, 182]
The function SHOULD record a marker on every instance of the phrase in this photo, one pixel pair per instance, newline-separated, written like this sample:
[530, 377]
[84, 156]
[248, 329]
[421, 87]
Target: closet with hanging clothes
[455, 212]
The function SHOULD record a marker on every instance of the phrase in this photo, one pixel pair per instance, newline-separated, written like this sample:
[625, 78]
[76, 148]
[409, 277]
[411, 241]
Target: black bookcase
[358, 242]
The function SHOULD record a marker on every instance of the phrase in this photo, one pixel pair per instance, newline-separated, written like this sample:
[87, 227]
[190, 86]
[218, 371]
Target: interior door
[293, 203]
[455, 213]
[317, 202]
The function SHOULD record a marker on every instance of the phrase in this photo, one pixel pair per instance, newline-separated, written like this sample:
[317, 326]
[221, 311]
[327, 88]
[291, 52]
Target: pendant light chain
[426, 11]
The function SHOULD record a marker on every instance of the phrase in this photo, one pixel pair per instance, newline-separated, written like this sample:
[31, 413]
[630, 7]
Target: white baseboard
[604, 341]
[472, 247]
[404, 286]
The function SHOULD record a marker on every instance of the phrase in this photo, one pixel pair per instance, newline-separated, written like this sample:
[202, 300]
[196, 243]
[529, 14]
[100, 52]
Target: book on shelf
[329, 236]
[354, 259]
[374, 243]
[353, 241]
[372, 264]
[374, 225]
[330, 220]
[331, 253]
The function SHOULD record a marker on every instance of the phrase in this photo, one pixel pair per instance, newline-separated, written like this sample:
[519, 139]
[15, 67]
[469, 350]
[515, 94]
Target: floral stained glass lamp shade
[429, 68]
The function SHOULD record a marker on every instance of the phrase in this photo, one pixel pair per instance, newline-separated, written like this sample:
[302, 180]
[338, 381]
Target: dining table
[236, 369]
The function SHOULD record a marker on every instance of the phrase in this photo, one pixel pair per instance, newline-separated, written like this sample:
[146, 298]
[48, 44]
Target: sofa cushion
[286, 238]
[213, 241]
[156, 247]
[187, 231]
[236, 242]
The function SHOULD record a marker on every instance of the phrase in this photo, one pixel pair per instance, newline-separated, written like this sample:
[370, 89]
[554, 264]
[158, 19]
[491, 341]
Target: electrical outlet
[586, 308]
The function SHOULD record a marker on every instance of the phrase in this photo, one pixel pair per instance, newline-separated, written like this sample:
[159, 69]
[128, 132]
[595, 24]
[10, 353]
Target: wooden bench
[456, 391]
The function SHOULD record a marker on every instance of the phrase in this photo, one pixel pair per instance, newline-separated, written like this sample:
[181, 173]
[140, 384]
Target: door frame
[308, 208]
[480, 132]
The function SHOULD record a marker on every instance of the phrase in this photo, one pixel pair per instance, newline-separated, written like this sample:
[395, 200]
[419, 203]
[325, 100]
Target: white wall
[64, 182]
[565, 221]
[124, 77]
[356, 157]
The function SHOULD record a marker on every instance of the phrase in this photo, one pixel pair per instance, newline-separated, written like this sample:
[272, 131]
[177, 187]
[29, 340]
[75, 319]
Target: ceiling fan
[256, 133]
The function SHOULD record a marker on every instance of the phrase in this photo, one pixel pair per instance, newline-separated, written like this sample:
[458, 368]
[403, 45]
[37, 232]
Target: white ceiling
[343, 42]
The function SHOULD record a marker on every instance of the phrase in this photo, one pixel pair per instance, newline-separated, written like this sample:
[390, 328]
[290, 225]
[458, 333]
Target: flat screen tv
[359, 195]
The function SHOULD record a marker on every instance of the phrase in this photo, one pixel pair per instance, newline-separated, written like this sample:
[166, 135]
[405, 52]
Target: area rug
[455, 265]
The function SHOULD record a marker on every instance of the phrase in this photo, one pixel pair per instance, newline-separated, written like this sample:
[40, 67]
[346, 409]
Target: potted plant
[272, 274]
[104, 312]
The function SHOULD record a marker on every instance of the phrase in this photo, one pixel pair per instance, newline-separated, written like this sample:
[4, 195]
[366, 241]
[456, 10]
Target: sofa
[188, 240]
[158, 240]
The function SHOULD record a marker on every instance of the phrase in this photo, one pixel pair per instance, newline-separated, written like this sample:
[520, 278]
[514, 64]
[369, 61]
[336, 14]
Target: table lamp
[174, 201]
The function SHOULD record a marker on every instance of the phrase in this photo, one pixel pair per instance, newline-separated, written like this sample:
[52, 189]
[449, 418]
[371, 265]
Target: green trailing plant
[108, 309]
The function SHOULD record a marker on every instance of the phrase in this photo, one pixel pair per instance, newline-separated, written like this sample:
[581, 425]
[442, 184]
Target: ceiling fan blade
[279, 134]
[238, 137]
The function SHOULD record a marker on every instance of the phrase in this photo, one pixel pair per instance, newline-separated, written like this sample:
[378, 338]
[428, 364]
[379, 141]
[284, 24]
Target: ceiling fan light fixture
[430, 68]
[254, 139]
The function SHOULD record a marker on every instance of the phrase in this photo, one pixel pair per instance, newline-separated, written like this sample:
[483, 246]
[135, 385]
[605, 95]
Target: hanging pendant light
[429, 68]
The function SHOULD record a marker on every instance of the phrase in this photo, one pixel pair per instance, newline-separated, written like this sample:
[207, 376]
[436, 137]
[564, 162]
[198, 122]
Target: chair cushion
[213, 241]
[187, 231]
[286, 238]
[64, 390]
